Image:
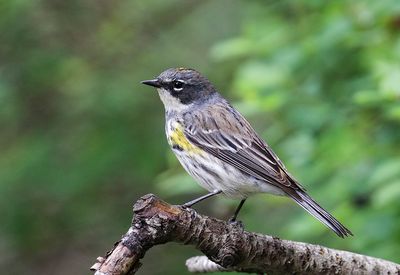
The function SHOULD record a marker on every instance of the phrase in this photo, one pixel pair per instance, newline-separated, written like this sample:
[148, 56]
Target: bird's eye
[178, 85]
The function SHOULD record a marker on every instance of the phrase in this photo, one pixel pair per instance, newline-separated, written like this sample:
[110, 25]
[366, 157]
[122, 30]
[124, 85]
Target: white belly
[213, 174]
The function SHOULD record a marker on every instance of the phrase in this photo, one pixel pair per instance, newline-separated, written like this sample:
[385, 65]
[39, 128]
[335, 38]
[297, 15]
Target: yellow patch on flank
[177, 137]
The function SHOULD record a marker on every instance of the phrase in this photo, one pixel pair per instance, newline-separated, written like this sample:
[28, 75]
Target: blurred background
[81, 139]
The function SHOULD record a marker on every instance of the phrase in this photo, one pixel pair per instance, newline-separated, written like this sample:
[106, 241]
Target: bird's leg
[193, 202]
[233, 218]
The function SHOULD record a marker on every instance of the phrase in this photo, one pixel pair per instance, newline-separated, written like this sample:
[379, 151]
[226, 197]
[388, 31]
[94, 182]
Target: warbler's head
[181, 87]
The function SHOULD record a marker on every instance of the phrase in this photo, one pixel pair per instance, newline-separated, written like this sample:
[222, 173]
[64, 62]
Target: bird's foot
[234, 222]
[187, 205]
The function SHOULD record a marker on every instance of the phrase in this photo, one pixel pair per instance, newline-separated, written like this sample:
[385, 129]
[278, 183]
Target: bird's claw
[186, 205]
[235, 222]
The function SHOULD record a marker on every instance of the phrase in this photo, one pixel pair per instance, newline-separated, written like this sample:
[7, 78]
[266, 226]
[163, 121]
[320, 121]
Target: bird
[219, 148]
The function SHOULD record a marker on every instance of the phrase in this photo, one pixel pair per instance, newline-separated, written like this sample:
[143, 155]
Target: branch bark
[228, 246]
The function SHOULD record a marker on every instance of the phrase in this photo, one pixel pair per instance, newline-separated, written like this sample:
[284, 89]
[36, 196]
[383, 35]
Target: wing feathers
[241, 147]
[238, 146]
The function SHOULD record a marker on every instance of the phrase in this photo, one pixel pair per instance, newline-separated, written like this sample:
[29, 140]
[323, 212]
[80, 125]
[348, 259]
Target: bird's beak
[153, 82]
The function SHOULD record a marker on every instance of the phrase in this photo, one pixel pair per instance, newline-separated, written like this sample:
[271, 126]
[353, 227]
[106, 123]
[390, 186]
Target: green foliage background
[81, 139]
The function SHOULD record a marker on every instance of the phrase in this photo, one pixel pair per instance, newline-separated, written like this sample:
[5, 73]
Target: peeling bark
[228, 246]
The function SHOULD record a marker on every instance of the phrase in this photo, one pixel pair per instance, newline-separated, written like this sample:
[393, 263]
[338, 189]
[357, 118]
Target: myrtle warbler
[219, 148]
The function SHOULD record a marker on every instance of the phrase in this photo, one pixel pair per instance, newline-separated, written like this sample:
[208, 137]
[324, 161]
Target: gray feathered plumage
[225, 133]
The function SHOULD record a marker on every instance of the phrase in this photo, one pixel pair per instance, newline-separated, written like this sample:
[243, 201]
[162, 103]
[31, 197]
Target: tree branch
[228, 246]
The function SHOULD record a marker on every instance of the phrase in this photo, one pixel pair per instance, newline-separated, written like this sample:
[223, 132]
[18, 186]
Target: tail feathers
[312, 207]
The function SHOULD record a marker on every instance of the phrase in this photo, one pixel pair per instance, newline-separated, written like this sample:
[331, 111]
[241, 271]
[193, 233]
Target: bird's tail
[312, 207]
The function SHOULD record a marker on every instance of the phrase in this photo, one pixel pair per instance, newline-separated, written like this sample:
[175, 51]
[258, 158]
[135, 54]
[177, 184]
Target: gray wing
[224, 133]
[221, 131]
